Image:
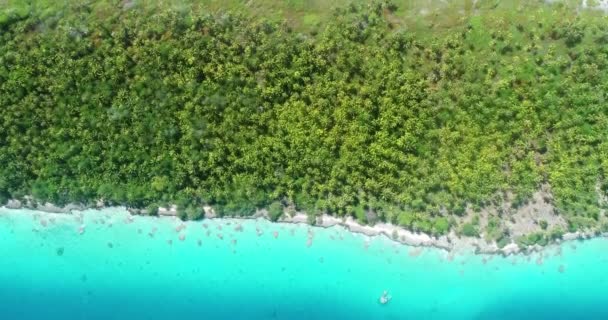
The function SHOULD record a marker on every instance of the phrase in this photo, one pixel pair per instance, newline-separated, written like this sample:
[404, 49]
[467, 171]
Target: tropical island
[484, 120]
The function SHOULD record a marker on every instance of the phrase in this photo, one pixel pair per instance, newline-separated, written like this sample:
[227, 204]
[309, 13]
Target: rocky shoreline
[451, 242]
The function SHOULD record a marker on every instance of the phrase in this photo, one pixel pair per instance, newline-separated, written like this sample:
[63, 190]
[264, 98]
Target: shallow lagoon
[124, 267]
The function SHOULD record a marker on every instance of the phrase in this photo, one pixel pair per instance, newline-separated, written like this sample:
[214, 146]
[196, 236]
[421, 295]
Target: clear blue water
[117, 270]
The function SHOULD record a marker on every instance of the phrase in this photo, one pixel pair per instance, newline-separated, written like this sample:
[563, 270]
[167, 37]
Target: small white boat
[385, 297]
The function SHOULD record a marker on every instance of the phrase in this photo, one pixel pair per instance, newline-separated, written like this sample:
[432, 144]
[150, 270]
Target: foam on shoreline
[451, 242]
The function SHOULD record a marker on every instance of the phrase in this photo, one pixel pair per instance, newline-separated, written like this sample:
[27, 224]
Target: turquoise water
[141, 269]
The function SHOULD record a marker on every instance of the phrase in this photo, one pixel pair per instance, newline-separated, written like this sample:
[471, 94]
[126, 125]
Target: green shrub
[4, 197]
[532, 239]
[311, 218]
[469, 230]
[494, 229]
[475, 219]
[359, 214]
[556, 233]
[194, 212]
[579, 222]
[423, 225]
[458, 209]
[304, 202]
[441, 226]
[152, 209]
[503, 242]
[238, 208]
[275, 211]
[406, 219]
[182, 213]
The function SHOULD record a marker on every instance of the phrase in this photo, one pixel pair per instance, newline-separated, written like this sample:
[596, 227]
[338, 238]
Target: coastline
[452, 243]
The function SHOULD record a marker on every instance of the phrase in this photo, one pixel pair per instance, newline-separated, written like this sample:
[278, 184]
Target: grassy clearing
[421, 16]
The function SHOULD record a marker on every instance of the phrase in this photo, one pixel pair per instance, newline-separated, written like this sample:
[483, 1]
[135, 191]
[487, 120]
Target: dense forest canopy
[361, 116]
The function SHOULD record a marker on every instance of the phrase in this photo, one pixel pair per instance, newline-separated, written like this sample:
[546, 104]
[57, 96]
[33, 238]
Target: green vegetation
[495, 231]
[441, 226]
[556, 234]
[538, 238]
[275, 211]
[365, 108]
[503, 242]
[469, 230]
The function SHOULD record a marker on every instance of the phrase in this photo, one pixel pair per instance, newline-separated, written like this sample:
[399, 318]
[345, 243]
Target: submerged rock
[60, 251]
[180, 227]
[539, 261]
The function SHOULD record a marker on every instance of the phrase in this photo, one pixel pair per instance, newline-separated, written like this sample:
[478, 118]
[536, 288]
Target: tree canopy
[359, 116]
